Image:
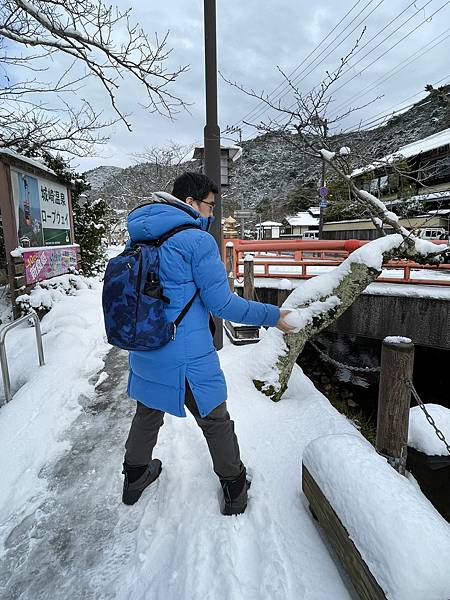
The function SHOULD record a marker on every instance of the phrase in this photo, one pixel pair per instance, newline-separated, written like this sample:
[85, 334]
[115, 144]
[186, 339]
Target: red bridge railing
[296, 259]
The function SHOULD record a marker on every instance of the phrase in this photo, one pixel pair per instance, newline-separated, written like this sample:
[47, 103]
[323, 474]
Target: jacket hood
[161, 213]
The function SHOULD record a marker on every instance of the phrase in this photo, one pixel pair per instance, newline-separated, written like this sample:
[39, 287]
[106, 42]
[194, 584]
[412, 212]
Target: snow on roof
[437, 140]
[314, 210]
[234, 153]
[31, 161]
[440, 211]
[433, 196]
[269, 224]
[420, 197]
[302, 219]
[442, 138]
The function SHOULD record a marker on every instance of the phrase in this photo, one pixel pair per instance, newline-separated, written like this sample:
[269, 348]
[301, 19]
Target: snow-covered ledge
[17, 252]
[422, 436]
[400, 536]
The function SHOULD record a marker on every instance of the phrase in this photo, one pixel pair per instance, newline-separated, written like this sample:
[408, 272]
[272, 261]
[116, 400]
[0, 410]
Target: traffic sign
[323, 204]
[323, 192]
[245, 214]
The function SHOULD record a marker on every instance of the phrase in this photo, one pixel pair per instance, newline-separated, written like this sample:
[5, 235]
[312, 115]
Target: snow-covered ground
[64, 533]
[63, 530]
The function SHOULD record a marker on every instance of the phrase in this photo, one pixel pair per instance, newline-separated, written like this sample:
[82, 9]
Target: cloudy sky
[254, 37]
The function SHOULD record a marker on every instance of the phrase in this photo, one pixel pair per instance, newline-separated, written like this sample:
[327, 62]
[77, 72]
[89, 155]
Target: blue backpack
[133, 299]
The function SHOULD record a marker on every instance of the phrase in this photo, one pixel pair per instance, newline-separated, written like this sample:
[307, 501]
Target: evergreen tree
[301, 198]
[88, 217]
[340, 204]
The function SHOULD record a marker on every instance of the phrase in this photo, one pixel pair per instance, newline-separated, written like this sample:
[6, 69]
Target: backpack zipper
[139, 279]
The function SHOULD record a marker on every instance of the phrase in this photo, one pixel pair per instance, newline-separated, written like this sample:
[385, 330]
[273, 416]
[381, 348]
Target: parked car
[432, 233]
[310, 235]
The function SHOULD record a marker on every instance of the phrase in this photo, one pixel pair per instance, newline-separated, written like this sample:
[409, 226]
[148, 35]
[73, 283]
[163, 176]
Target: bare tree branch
[321, 300]
[85, 31]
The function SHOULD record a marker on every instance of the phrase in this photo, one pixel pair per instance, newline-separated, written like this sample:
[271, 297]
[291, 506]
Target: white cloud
[254, 37]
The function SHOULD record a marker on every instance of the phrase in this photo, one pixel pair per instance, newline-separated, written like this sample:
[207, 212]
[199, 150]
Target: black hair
[195, 185]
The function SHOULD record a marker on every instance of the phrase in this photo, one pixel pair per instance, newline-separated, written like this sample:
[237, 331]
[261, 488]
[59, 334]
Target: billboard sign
[44, 263]
[42, 210]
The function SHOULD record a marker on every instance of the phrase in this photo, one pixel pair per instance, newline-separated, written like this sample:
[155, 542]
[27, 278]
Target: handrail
[325, 253]
[3, 358]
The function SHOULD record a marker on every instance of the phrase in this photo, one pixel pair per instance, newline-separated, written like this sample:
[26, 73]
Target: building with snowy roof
[268, 230]
[432, 226]
[419, 171]
[296, 226]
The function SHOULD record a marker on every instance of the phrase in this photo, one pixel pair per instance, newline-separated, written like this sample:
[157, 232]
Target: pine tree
[88, 217]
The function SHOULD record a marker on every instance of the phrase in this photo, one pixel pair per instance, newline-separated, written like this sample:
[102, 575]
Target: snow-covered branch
[102, 43]
[322, 299]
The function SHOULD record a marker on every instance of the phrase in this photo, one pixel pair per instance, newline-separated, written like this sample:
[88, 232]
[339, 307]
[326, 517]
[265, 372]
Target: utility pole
[212, 133]
[235, 130]
[324, 123]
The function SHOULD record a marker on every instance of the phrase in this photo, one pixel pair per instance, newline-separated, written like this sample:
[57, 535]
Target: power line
[296, 79]
[391, 112]
[343, 104]
[396, 69]
[282, 83]
[286, 86]
[352, 66]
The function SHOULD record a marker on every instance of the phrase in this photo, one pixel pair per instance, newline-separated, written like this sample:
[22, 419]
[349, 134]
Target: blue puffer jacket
[188, 260]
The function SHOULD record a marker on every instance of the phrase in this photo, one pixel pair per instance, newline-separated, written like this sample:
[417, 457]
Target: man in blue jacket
[186, 372]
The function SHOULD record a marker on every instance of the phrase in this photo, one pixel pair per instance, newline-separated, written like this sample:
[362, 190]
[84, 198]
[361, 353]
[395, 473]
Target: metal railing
[3, 358]
[294, 260]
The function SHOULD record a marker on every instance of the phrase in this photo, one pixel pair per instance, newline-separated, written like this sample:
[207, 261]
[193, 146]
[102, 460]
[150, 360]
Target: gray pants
[217, 428]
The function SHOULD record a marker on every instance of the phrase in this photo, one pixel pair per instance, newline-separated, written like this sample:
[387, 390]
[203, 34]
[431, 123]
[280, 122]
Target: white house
[268, 230]
[295, 226]
[314, 211]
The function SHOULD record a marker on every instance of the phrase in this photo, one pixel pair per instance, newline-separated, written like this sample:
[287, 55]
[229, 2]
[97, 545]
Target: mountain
[272, 172]
[272, 168]
[100, 176]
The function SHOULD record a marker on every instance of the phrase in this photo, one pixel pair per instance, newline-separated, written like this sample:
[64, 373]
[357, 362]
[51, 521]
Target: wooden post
[229, 264]
[394, 399]
[249, 283]
[359, 573]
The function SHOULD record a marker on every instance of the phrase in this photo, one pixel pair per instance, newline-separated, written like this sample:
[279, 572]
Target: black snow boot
[138, 478]
[234, 501]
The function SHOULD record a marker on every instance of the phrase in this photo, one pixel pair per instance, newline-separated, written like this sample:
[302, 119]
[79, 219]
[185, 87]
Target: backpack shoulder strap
[185, 309]
[158, 241]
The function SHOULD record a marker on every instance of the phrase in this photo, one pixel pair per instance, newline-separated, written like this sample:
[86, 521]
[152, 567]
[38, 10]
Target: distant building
[268, 230]
[314, 211]
[424, 178]
[297, 225]
[436, 225]
[425, 166]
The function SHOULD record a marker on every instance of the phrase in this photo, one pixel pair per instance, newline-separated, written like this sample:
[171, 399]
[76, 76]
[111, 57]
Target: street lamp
[212, 133]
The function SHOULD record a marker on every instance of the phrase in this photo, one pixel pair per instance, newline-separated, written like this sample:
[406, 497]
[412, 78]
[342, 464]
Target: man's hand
[282, 325]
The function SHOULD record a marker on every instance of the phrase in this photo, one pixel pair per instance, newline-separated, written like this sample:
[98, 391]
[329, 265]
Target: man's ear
[189, 200]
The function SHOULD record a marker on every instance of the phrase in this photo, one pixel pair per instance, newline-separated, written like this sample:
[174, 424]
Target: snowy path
[81, 543]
